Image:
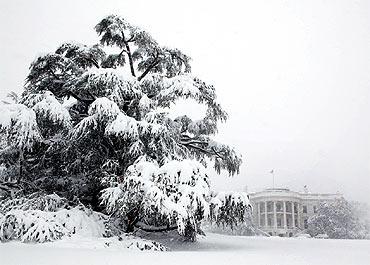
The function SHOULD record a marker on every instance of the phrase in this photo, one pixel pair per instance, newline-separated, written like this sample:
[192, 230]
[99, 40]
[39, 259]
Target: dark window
[270, 206]
[315, 209]
[305, 223]
[279, 206]
[279, 223]
[262, 220]
[262, 207]
[269, 221]
[289, 222]
[304, 209]
[288, 206]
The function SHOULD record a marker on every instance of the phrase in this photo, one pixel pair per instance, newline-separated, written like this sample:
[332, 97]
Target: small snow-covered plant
[147, 245]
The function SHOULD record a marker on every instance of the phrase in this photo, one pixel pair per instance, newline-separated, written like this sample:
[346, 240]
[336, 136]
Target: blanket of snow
[213, 249]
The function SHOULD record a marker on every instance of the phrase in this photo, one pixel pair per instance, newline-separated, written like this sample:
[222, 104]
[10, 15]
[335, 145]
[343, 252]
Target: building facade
[282, 212]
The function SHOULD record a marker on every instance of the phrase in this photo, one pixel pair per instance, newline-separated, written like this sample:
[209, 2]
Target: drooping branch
[202, 147]
[83, 100]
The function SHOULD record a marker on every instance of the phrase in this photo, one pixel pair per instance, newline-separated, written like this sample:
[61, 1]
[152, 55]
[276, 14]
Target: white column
[266, 214]
[275, 219]
[284, 211]
[258, 214]
[293, 217]
[299, 216]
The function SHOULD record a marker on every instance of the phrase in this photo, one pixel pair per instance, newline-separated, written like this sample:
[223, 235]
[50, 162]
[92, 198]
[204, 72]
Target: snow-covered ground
[213, 249]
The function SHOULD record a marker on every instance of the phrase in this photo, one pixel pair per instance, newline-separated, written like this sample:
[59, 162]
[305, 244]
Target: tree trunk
[20, 165]
[190, 232]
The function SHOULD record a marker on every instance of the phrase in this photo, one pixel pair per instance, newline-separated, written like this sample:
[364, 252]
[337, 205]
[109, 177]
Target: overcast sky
[294, 76]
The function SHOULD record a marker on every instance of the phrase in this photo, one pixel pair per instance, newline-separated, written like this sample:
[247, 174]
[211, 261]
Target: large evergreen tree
[91, 123]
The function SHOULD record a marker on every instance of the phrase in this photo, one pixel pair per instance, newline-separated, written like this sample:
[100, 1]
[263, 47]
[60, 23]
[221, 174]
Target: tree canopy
[337, 219]
[95, 125]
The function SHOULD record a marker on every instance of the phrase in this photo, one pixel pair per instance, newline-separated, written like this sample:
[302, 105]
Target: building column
[275, 218]
[293, 215]
[266, 224]
[284, 211]
[299, 216]
[258, 214]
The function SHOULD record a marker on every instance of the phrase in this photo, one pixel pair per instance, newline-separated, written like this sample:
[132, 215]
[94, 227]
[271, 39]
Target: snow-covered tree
[337, 219]
[91, 121]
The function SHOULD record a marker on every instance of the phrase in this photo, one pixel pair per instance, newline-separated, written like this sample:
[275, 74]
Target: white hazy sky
[294, 76]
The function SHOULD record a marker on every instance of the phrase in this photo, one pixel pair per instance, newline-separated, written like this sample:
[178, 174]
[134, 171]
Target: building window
[279, 222]
[296, 222]
[289, 221]
[262, 207]
[270, 206]
[288, 207]
[262, 220]
[295, 207]
[269, 221]
[279, 206]
[305, 223]
[315, 209]
[304, 209]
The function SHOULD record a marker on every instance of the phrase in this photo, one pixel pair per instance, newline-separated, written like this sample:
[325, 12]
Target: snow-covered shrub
[45, 218]
[147, 245]
[30, 226]
[337, 219]
[35, 201]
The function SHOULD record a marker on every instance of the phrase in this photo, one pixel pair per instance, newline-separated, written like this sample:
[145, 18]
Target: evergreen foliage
[93, 124]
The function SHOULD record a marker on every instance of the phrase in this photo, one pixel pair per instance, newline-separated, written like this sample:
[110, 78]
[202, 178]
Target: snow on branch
[52, 109]
[178, 191]
[21, 126]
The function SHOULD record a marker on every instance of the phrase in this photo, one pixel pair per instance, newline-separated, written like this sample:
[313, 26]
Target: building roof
[285, 192]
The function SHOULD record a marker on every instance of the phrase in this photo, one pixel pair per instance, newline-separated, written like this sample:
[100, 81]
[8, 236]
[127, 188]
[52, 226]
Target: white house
[282, 212]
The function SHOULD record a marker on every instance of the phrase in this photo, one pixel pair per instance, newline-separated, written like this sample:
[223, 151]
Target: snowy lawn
[213, 249]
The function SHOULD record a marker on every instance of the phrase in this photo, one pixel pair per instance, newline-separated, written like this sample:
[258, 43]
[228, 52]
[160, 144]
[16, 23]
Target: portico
[281, 212]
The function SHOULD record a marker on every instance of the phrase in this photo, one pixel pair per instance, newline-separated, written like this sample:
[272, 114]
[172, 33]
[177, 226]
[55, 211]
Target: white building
[282, 212]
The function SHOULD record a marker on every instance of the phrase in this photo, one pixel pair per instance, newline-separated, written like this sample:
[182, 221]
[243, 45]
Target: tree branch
[128, 51]
[86, 101]
[209, 152]
[94, 62]
[150, 67]
[148, 228]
